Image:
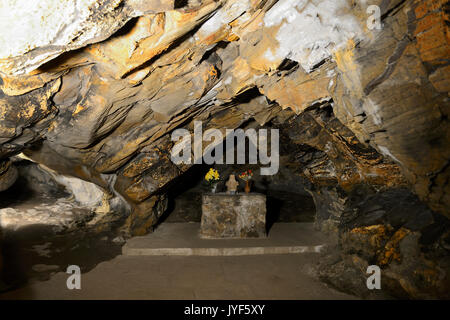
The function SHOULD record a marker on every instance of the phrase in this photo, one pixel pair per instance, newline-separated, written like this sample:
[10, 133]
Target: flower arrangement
[212, 176]
[246, 175]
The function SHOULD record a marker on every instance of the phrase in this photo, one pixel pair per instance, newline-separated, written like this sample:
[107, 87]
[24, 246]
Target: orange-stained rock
[147, 37]
[300, 90]
[373, 101]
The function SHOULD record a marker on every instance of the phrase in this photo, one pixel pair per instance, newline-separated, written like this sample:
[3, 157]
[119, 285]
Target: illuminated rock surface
[94, 89]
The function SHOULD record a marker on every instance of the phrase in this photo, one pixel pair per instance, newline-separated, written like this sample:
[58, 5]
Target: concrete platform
[182, 239]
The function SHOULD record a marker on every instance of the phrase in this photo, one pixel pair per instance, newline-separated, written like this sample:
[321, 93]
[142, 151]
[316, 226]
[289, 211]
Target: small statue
[232, 184]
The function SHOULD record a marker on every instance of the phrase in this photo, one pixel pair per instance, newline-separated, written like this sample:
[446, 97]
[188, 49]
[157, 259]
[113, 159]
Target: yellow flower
[212, 175]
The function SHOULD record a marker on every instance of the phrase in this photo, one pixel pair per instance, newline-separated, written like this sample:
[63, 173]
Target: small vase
[247, 186]
[214, 188]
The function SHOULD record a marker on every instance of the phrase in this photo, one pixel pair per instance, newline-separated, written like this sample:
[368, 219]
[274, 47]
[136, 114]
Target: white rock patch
[59, 215]
[310, 30]
[385, 152]
[85, 193]
[230, 12]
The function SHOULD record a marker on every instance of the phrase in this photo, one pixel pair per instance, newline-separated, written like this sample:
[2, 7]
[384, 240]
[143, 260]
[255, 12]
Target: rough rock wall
[102, 113]
[393, 94]
[95, 91]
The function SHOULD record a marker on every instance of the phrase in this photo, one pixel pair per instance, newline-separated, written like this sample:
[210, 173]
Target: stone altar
[233, 215]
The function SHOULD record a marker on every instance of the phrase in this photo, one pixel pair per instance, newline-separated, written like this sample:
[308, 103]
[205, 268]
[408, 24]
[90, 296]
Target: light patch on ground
[44, 267]
[43, 250]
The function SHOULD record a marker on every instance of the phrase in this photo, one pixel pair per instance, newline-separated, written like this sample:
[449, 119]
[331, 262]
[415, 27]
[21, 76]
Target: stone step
[182, 239]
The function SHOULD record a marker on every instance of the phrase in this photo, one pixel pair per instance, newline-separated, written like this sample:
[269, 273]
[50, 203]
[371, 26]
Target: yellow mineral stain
[78, 109]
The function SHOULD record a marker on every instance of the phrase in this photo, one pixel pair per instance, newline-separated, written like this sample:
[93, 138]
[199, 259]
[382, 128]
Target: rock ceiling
[93, 88]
